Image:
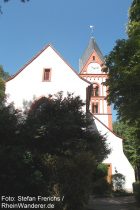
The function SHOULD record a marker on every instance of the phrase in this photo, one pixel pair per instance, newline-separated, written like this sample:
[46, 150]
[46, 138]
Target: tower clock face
[94, 68]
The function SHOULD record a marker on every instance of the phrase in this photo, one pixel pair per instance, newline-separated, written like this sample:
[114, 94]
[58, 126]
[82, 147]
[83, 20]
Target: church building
[48, 73]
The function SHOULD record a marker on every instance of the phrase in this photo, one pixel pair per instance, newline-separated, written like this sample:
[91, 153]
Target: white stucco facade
[28, 83]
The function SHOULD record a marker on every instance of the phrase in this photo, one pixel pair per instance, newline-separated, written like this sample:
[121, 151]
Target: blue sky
[26, 28]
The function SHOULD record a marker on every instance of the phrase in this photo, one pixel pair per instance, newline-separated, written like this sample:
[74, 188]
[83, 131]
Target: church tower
[91, 68]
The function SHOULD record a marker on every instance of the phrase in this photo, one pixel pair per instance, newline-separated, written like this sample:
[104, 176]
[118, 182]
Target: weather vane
[92, 28]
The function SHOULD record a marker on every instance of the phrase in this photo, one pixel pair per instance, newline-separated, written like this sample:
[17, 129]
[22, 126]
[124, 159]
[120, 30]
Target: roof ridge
[41, 51]
[31, 60]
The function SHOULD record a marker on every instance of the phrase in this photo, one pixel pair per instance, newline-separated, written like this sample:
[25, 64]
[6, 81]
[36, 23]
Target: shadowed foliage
[50, 151]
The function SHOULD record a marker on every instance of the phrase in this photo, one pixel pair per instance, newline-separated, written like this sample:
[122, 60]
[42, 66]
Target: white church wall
[103, 118]
[29, 82]
[117, 158]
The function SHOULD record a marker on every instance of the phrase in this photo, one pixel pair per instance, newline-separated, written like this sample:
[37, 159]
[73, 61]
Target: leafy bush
[50, 151]
[136, 189]
[73, 181]
[118, 181]
[100, 185]
[102, 170]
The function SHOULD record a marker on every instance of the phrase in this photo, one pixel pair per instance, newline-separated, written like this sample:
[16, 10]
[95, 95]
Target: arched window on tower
[95, 108]
[95, 91]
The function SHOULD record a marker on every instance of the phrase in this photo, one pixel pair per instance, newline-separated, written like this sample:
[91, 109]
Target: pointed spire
[92, 45]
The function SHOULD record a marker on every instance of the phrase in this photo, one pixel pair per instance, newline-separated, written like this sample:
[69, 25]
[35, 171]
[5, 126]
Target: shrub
[102, 170]
[118, 181]
[100, 185]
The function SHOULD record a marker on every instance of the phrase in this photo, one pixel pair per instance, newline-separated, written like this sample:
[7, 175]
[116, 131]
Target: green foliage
[100, 185]
[123, 63]
[2, 84]
[59, 126]
[8, 124]
[73, 180]
[18, 164]
[136, 189]
[134, 19]
[2, 89]
[49, 151]
[22, 172]
[102, 170]
[124, 75]
[4, 75]
[118, 181]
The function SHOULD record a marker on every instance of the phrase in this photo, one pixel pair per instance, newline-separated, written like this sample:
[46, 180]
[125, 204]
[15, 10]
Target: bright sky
[25, 28]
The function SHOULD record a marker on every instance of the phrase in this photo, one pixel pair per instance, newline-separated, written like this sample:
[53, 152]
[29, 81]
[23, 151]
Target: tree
[50, 116]
[134, 19]
[3, 77]
[130, 143]
[57, 126]
[124, 75]
[52, 152]
[19, 171]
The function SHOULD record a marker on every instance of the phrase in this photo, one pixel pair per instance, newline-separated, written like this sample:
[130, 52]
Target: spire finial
[92, 28]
